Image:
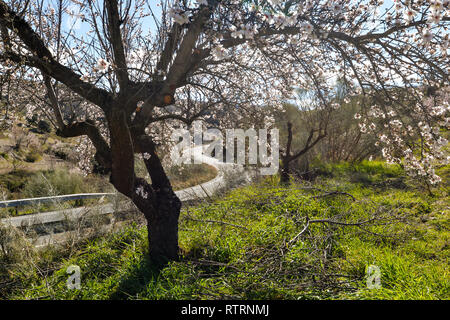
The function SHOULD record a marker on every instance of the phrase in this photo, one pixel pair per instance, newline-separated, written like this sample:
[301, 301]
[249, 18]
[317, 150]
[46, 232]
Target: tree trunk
[161, 210]
[162, 226]
[158, 202]
[285, 171]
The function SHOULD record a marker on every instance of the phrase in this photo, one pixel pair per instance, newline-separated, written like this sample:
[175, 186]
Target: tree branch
[45, 61]
[54, 102]
[117, 42]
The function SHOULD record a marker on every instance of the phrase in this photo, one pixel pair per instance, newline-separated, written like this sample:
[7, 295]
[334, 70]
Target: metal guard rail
[69, 197]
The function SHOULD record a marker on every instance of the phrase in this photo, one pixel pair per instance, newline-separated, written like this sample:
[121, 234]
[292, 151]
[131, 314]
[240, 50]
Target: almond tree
[134, 64]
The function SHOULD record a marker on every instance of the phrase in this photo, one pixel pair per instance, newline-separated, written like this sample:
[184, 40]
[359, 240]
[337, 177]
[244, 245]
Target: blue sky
[83, 27]
[149, 23]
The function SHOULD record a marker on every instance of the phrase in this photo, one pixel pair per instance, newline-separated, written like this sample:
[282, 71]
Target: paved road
[210, 187]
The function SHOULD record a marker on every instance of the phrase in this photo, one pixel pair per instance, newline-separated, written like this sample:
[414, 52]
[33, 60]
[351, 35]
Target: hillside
[265, 241]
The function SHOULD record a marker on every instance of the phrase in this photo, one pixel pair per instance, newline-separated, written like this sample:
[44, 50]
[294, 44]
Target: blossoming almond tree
[137, 63]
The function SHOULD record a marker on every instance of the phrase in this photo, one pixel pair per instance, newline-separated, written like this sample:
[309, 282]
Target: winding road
[208, 188]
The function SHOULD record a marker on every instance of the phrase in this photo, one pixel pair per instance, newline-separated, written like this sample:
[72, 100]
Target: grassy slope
[250, 254]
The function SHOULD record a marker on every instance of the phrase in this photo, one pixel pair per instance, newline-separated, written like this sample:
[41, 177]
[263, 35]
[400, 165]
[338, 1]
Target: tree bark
[162, 226]
[287, 157]
[160, 205]
[285, 171]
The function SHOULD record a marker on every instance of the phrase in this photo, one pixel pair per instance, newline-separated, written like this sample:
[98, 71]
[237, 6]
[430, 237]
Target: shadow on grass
[137, 280]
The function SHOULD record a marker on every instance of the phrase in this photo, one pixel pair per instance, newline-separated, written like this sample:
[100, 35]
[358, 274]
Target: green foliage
[15, 180]
[32, 156]
[249, 245]
[364, 173]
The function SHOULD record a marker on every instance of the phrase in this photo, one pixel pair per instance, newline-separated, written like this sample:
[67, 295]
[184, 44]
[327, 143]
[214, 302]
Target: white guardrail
[69, 197]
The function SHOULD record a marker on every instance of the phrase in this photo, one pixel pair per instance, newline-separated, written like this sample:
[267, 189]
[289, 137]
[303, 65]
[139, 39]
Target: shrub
[32, 156]
[15, 180]
[44, 126]
[58, 182]
[61, 154]
[19, 138]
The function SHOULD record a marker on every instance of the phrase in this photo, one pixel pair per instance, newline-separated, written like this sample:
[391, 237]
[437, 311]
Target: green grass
[14, 181]
[242, 246]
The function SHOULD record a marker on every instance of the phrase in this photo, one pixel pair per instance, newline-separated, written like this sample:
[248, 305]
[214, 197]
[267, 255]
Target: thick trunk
[285, 171]
[158, 202]
[163, 208]
[162, 226]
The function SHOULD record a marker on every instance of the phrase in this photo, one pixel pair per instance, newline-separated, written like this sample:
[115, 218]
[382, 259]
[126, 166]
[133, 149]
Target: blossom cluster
[413, 139]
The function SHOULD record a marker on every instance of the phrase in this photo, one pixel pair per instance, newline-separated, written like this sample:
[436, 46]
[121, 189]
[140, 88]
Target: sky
[147, 23]
[80, 27]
